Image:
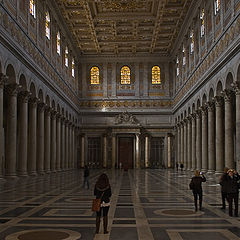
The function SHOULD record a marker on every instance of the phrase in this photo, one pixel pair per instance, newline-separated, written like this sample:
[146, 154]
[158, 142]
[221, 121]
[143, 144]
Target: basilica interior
[132, 88]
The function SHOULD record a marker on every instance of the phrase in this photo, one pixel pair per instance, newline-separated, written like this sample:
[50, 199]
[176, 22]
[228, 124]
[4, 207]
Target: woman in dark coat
[196, 187]
[231, 183]
[103, 190]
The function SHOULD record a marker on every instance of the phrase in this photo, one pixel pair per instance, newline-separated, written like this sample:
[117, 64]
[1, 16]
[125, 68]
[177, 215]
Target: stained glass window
[177, 67]
[184, 57]
[58, 43]
[216, 6]
[156, 79]
[202, 23]
[125, 75]
[32, 8]
[94, 75]
[47, 25]
[192, 42]
[73, 68]
[66, 56]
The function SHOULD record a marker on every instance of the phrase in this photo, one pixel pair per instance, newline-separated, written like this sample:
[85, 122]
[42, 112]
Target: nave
[146, 205]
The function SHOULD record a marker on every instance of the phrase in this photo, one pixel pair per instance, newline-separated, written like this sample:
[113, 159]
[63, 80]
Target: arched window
[58, 43]
[216, 6]
[73, 68]
[156, 76]
[125, 75]
[94, 75]
[32, 8]
[47, 25]
[202, 23]
[177, 67]
[192, 42]
[184, 57]
[66, 56]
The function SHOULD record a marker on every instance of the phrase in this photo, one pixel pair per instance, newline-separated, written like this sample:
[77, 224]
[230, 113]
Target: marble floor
[148, 204]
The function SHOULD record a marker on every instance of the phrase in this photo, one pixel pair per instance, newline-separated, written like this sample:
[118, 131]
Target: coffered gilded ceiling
[124, 27]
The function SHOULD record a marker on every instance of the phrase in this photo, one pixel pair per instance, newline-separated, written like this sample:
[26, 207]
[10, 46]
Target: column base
[11, 176]
[32, 174]
[22, 174]
[41, 172]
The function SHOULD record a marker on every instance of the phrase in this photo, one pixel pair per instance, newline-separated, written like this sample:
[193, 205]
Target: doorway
[125, 152]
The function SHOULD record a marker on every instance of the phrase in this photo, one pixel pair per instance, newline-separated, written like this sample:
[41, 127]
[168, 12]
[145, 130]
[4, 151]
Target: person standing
[181, 166]
[103, 190]
[196, 187]
[232, 191]
[223, 184]
[86, 177]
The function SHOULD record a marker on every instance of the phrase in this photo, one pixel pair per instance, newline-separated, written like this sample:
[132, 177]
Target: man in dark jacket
[231, 182]
[196, 187]
[224, 187]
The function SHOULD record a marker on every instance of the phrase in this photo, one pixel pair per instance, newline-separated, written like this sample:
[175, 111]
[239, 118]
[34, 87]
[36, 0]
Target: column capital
[3, 80]
[13, 89]
[198, 114]
[53, 113]
[236, 87]
[33, 101]
[24, 96]
[41, 106]
[227, 94]
[193, 116]
[189, 118]
[218, 101]
[47, 110]
[203, 110]
[210, 106]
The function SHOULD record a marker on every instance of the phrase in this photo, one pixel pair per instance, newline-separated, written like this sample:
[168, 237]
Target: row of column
[205, 138]
[37, 139]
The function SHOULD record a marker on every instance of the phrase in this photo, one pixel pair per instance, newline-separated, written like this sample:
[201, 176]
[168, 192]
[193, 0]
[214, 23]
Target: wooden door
[125, 152]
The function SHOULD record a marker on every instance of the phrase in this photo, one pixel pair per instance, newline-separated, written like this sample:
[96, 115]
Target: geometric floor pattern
[151, 204]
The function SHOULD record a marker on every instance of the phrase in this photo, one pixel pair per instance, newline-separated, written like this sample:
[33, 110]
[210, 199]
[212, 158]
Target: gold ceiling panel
[124, 26]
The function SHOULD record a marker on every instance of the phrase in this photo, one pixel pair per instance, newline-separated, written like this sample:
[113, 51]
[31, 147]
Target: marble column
[146, 160]
[73, 144]
[3, 80]
[194, 164]
[182, 142]
[185, 144]
[53, 141]
[204, 139]
[47, 135]
[211, 138]
[229, 143]
[11, 132]
[58, 143]
[236, 86]
[189, 144]
[40, 139]
[137, 151]
[82, 163]
[63, 144]
[113, 150]
[69, 145]
[219, 135]
[198, 141]
[23, 133]
[32, 140]
[104, 150]
[178, 157]
[66, 144]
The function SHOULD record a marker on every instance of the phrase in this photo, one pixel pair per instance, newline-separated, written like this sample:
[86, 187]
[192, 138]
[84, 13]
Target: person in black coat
[231, 181]
[86, 176]
[103, 190]
[196, 187]
[223, 184]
